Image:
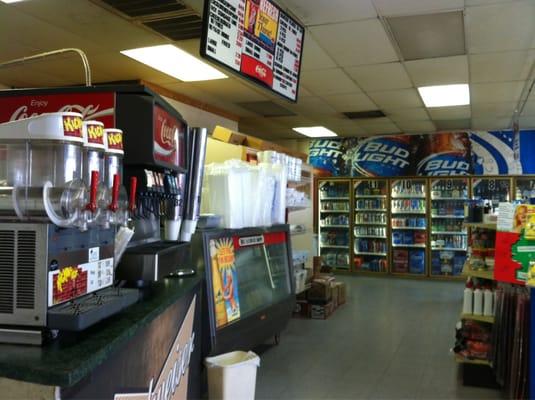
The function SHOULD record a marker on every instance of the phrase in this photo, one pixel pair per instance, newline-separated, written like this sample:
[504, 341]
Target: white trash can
[232, 376]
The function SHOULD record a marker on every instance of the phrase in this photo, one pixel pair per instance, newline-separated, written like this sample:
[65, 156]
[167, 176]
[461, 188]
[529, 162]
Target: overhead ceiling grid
[362, 64]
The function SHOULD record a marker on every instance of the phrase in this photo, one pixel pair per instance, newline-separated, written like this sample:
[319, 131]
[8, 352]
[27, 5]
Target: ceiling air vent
[365, 114]
[266, 109]
[169, 18]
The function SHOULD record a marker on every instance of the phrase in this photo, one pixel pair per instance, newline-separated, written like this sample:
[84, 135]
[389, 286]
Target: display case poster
[224, 281]
[438, 154]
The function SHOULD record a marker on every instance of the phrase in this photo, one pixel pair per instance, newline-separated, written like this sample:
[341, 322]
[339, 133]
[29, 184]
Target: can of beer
[445, 153]
[383, 156]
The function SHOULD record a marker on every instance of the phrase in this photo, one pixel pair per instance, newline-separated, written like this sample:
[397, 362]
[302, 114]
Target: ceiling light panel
[315, 131]
[175, 62]
[429, 36]
[445, 95]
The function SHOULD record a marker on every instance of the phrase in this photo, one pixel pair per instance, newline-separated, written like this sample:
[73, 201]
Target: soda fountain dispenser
[56, 262]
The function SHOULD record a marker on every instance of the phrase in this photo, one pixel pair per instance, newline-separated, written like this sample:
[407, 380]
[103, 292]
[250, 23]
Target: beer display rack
[370, 231]
[334, 223]
[448, 197]
[430, 209]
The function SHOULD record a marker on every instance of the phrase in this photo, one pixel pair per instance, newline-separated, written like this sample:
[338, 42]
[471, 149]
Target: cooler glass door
[370, 231]
[409, 226]
[333, 227]
[525, 189]
[491, 189]
[448, 234]
[247, 274]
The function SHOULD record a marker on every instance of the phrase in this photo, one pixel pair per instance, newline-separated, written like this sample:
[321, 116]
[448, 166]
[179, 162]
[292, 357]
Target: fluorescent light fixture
[315, 131]
[445, 95]
[10, 1]
[175, 62]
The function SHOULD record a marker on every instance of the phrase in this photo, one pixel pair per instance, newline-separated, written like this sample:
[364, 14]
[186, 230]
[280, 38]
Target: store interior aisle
[391, 340]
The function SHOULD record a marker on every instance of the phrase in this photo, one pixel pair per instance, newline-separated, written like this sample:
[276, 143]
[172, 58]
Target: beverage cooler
[250, 292]
[525, 188]
[370, 243]
[448, 234]
[334, 223]
[409, 226]
[491, 190]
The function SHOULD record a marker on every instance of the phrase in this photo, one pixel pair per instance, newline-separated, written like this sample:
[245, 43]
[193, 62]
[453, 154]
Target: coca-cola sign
[168, 138]
[96, 106]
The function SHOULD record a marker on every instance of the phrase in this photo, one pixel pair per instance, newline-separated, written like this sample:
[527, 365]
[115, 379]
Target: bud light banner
[439, 154]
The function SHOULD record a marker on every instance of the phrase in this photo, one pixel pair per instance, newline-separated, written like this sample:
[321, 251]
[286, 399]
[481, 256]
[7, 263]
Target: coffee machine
[57, 228]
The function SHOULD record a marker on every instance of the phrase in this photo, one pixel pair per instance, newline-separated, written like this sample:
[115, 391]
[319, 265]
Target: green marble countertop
[68, 359]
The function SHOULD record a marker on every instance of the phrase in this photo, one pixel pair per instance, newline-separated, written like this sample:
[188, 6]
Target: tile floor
[391, 340]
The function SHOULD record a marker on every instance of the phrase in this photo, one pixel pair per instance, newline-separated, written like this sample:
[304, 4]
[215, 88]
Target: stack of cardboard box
[323, 297]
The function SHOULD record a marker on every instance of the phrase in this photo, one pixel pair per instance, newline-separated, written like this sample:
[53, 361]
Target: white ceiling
[351, 62]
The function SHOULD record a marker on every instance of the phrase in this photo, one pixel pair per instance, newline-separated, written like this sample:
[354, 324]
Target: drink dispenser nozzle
[92, 205]
[114, 205]
[132, 198]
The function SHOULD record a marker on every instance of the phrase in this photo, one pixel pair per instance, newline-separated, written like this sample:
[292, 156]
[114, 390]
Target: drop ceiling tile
[496, 92]
[417, 126]
[356, 43]
[380, 76]
[402, 98]
[527, 122]
[314, 12]
[350, 102]
[438, 71]
[445, 113]
[314, 57]
[501, 27]
[292, 122]
[491, 123]
[498, 67]
[354, 131]
[528, 111]
[407, 114]
[453, 124]
[377, 126]
[429, 35]
[470, 3]
[231, 89]
[309, 107]
[493, 110]
[328, 81]
[410, 7]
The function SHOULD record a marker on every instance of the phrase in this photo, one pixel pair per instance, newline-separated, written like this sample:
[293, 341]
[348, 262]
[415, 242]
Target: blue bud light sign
[328, 154]
[445, 154]
[383, 156]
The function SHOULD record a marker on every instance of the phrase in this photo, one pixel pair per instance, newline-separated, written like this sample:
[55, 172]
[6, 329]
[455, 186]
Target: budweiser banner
[439, 154]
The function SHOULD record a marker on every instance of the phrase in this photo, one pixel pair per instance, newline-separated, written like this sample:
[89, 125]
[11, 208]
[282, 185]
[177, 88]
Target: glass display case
[333, 228]
[448, 235]
[525, 188]
[409, 226]
[370, 244]
[248, 284]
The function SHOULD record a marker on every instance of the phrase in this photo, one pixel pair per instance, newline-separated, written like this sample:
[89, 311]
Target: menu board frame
[257, 82]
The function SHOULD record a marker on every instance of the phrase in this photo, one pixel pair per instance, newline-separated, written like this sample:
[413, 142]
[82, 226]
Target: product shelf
[370, 253]
[481, 225]
[463, 360]
[370, 236]
[370, 223]
[484, 274]
[334, 198]
[447, 216]
[450, 198]
[335, 226]
[408, 197]
[335, 211]
[409, 228]
[371, 209]
[448, 249]
[371, 196]
[448, 233]
[333, 246]
[412, 246]
[399, 212]
[479, 318]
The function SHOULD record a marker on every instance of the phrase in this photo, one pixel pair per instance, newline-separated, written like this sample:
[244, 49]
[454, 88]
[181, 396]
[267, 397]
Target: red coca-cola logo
[167, 134]
[261, 71]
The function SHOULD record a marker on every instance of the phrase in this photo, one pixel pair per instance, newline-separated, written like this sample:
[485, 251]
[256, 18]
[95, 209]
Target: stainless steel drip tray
[154, 261]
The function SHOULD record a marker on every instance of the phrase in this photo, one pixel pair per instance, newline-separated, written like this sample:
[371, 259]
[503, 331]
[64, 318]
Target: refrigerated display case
[333, 228]
[491, 189]
[409, 226]
[250, 290]
[525, 188]
[448, 235]
[370, 230]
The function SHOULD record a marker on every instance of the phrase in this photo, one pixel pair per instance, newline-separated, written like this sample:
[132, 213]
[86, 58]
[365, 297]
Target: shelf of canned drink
[334, 226]
[448, 249]
[335, 211]
[370, 223]
[408, 212]
[370, 209]
[333, 246]
[370, 236]
[447, 216]
[410, 228]
[370, 196]
[334, 198]
[450, 198]
[448, 233]
[415, 245]
[369, 253]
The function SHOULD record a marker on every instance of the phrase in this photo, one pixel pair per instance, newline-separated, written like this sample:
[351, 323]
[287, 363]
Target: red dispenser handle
[114, 205]
[133, 189]
[92, 206]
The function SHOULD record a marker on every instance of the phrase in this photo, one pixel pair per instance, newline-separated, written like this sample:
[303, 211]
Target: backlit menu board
[255, 39]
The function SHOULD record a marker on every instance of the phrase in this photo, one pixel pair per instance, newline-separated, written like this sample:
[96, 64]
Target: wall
[301, 145]
[197, 117]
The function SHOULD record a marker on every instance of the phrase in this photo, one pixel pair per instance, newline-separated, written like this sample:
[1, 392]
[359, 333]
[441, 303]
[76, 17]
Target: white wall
[196, 117]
